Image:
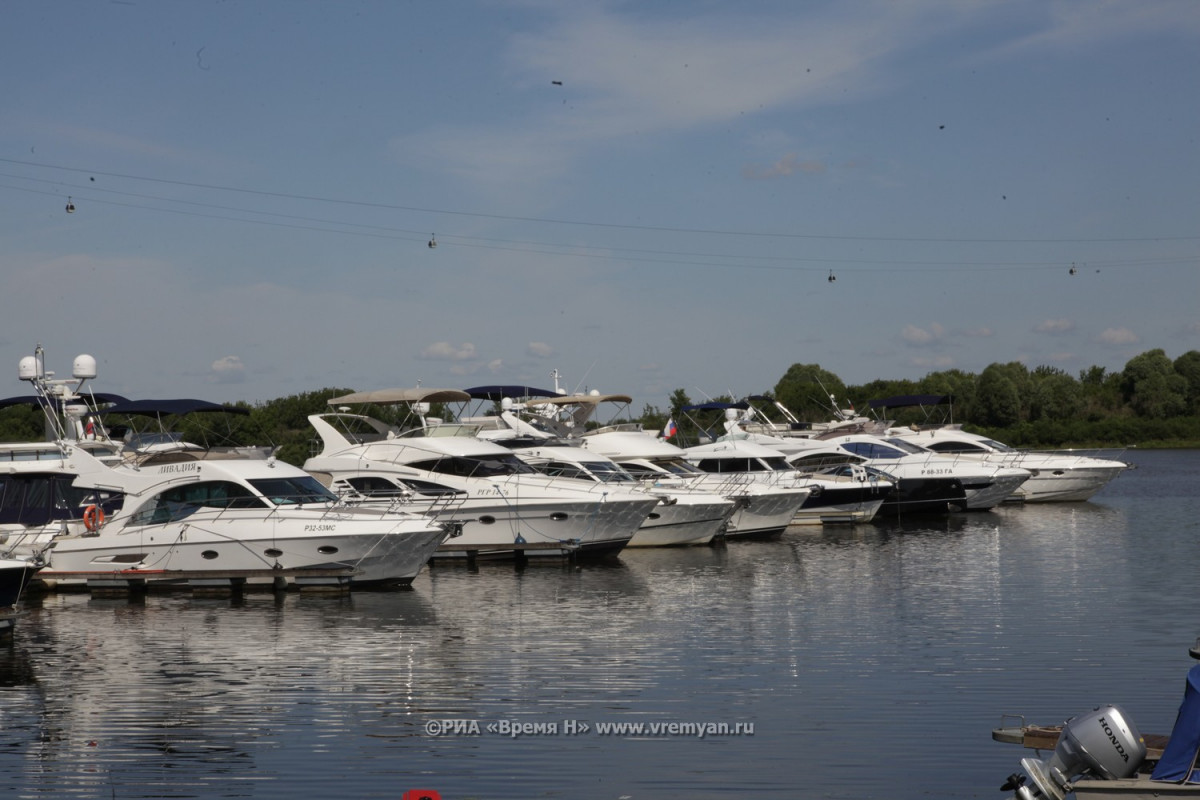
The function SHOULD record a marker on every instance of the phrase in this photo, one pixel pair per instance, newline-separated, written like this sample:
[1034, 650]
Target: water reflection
[846, 646]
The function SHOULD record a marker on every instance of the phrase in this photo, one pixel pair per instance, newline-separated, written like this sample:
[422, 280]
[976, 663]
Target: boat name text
[169, 468]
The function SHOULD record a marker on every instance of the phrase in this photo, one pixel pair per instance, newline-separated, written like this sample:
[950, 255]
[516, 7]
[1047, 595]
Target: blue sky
[644, 196]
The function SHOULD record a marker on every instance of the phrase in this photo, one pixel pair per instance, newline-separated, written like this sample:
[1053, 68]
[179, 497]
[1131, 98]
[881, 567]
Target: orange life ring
[93, 518]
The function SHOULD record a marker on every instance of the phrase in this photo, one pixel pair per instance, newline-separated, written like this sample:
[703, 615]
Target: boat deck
[1045, 737]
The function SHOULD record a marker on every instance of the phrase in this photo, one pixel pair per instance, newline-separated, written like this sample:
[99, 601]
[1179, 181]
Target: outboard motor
[1102, 745]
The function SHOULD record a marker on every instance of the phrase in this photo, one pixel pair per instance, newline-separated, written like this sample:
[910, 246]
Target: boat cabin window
[565, 469]
[641, 470]
[816, 462]
[678, 466]
[609, 472]
[429, 488]
[376, 487]
[180, 502]
[40, 454]
[873, 450]
[37, 499]
[476, 466]
[955, 447]
[777, 464]
[907, 446]
[726, 465]
[294, 490]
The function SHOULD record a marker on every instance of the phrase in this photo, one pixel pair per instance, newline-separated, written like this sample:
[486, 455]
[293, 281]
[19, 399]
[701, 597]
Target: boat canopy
[159, 408]
[499, 392]
[393, 396]
[1179, 758]
[908, 400]
[34, 400]
[581, 400]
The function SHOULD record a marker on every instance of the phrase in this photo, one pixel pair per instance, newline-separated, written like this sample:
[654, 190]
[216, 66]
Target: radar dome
[28, 369]
[84, 367]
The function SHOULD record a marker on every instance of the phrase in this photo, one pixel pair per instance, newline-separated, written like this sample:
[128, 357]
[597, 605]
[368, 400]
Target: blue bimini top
[1178, 762]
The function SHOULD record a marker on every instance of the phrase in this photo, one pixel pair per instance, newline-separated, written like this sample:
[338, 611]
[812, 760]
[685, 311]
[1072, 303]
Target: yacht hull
[682, 523]
[378, 549]
[833, 505]
[923, 496]
[765, 515]
[1061, 486]
[582, 528]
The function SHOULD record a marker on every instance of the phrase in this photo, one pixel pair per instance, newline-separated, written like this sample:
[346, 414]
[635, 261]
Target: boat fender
[93, 518]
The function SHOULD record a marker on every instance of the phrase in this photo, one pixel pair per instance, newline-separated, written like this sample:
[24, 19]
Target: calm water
[872, 661]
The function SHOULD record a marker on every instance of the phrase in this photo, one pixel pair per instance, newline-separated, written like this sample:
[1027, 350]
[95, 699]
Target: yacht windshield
[609, 472]
[873, 450]
[908, 447]
[293, 491]
[477, 466]
[679, 467]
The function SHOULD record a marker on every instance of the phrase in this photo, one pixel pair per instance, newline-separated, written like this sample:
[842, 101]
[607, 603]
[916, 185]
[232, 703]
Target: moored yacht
[1055, 476]
[925, 479]
[176, 512]
[760, 508]
[686, 515]
[503, 507]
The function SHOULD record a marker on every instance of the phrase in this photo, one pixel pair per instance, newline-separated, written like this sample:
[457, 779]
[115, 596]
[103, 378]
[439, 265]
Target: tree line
[1153, 402]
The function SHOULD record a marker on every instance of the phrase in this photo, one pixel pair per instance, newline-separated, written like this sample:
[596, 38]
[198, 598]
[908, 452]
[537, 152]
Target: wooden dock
[122, 583]
[517, 551]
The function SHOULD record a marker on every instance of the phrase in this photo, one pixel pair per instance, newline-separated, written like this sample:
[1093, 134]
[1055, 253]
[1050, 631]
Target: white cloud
[629, 74]
[1119, 336]
[1069, 24]
[229, 369]
[445, 351]
[938, 362]
[1055, 327]
[539, 349]
[922, 336]
[790, 164]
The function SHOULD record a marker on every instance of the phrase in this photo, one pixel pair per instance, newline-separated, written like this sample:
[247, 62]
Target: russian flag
[670, 429]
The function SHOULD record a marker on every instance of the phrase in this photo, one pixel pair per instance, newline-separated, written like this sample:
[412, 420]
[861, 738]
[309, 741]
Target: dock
[220, 583]
[517, 551]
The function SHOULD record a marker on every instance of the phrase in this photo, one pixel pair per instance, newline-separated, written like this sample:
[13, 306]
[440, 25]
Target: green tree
[1152, 387]
[806, 388]
[1187, 366]
[1055, 395]
[997, 399]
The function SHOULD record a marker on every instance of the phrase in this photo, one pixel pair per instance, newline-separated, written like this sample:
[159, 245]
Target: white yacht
[178, 512]
[1056, 476]
[983, 486]
[686, 515]
[762, 508]
[502, 506]
[926, 481]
